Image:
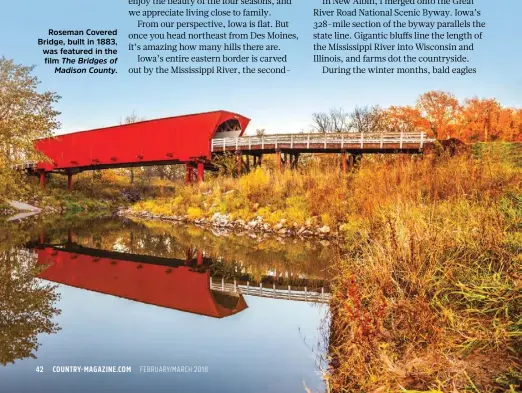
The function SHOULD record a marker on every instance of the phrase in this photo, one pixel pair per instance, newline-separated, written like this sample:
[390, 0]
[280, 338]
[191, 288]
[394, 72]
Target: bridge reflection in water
[180, 284]
[164, 282]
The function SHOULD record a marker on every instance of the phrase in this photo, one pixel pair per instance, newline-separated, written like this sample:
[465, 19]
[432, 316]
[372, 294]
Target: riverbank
[91, 196]
[319, 200]
[226, 225]
[428, 286]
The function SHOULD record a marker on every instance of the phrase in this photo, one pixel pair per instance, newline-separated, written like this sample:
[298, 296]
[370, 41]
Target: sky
[277, 103]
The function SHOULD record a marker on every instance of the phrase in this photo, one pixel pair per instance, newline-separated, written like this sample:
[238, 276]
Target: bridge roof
[212, 118]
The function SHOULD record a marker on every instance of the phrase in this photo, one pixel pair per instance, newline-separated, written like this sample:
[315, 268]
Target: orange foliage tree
[405, 119]
[440, 109]
[442, 116]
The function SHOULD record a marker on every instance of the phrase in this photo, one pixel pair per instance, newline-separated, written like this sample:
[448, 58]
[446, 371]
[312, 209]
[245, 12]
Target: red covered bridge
[174, 140]
[194, 139]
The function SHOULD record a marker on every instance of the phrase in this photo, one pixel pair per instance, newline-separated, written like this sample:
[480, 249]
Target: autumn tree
[508, 125]
[405, 119]
[477, 119]
[26, 114]
[438, 113]
[487, 120]
[518, 134]
[440, 109]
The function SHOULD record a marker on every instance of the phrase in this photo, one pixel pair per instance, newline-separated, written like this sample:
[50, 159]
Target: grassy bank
[428, 295]
[92, 195]
[320, 194]
[428, 292]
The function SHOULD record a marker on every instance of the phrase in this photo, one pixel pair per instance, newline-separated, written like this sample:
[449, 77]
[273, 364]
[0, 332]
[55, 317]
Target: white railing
[322, 141]
[272, 292]
[26, 165]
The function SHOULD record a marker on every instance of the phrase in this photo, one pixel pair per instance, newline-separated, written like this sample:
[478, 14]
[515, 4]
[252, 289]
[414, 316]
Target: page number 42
[39, 369]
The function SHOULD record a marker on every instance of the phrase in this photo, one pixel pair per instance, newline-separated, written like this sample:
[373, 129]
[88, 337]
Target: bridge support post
[344, 162]
[357, 158]
[69, 181]
[278, 160]
[350, 161]
[239, 163]
[291, 160]
[189, 173]
[257, 160]
[42, 180]
[201, 172]
[295, 162]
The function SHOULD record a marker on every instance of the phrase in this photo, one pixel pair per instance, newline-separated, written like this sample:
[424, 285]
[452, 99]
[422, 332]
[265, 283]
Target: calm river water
[171, 308]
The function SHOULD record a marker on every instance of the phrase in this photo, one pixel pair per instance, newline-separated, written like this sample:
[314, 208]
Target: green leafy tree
[25, 115]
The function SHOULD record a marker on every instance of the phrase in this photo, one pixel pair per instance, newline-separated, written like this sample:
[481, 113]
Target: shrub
[195, 213]
[255, 185]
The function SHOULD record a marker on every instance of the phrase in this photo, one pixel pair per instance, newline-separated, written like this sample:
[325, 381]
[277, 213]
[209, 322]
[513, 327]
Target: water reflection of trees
[27, 306]
[233, 256]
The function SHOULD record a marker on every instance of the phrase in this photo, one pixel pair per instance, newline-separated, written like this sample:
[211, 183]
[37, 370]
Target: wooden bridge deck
[272, 292]
[412, 142]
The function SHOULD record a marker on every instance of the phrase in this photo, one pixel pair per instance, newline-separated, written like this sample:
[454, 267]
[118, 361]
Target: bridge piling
[239, 160]
[69, 181]
[189, 174]
[351, 162]
[278, 160]
[42, 180]
[294, 163]
[201, 172]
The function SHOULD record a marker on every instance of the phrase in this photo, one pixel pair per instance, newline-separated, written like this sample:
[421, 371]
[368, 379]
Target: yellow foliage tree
[25, 115]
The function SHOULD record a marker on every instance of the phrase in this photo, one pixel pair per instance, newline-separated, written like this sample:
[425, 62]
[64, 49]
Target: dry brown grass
[429, 294]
